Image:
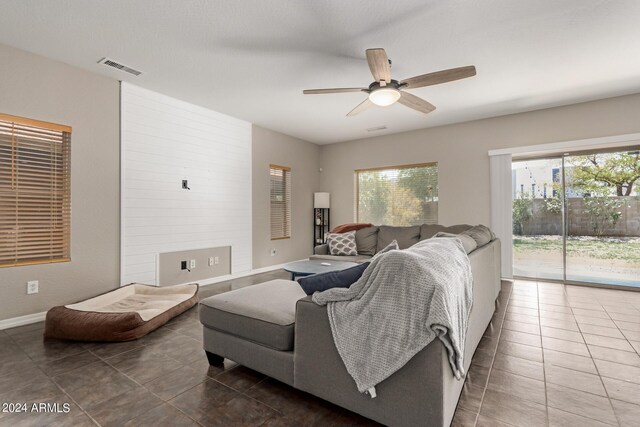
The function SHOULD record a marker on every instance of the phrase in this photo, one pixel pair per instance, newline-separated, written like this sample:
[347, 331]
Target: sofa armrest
[321, 250]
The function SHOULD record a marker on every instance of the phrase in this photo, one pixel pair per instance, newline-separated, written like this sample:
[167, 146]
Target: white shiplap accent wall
[164, 141]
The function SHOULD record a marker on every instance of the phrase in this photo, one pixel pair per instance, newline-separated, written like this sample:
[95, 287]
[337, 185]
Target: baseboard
[38, 317]
[22, 320]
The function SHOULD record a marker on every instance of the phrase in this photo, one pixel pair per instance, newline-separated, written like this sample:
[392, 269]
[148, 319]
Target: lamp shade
[321, 200]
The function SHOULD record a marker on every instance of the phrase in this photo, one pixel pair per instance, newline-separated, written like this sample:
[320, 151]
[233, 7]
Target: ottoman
[253, 326]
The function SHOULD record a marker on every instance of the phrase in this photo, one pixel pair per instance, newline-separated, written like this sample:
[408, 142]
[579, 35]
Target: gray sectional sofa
[373, 239]
[274, 328]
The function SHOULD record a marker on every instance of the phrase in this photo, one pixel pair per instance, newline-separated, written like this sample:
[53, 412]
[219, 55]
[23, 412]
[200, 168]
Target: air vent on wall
[376, 129]
[108, 62]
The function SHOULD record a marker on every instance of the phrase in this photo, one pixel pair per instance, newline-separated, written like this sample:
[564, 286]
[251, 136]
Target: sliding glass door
[537, 219]
[603, 217]
[576, 218]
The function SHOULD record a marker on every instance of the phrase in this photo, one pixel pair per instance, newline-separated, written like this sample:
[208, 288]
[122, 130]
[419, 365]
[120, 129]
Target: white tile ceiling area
[252, 59]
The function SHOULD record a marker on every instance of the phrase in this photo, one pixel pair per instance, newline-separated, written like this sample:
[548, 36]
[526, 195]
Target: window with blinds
[280, 202]
[400, 195]
[35, 191]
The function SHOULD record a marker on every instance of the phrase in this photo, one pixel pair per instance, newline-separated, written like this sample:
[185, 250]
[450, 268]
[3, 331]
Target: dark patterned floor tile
[202, 397]
[163, 415]
[124, 407]
[94, 383]
[143, 364]
[68, 363]
[239, 411]
[240, 378]
[182, 379]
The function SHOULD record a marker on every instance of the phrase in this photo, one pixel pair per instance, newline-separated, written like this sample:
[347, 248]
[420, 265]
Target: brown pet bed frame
[124, 314]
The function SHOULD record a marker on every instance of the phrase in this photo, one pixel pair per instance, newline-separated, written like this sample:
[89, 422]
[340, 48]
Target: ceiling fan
[385, 91]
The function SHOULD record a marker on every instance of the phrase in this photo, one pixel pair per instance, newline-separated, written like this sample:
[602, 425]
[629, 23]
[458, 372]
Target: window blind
[35, 191]
[280, 202]
[400, 195]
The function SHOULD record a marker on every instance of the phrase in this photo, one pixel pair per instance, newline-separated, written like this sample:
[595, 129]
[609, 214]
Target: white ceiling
[252, 59]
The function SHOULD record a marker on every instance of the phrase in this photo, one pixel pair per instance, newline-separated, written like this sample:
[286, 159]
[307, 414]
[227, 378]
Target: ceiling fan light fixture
[384, 96]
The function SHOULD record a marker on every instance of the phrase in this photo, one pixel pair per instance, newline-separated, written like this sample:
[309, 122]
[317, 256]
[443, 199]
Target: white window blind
[35, 191]
[280, 202]
[400, 195]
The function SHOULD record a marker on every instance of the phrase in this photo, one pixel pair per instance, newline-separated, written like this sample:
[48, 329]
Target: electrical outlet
[32, 287]
[216, 260]
[273, 251]
[211, 261]
[183, 265]
[192, 264]
[185, 185]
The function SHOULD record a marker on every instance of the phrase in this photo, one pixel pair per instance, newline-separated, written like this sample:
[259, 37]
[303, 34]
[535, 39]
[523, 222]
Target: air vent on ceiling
[108, 62]
[376, 129]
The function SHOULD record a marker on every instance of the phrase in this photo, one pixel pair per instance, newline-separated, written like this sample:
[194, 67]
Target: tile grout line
[598, 370]
[544, 369]
[621, 330]
[495, 351]
[50, 378]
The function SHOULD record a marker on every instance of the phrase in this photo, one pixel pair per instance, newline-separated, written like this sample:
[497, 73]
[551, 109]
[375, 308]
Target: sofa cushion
[427, 231]
[332, 279]
[481, 234]
[342, 243]
[367, 240]
[457, 229]
[406, 236]
[263, 313]
[468, 242]
[393, 246]
[353, 258]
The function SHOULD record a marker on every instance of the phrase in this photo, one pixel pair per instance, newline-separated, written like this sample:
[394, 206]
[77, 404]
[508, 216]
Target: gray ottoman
[253, 326]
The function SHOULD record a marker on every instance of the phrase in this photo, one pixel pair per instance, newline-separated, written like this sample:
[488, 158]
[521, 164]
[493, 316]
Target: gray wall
[35, 87]
[270, 147]
[461, 153]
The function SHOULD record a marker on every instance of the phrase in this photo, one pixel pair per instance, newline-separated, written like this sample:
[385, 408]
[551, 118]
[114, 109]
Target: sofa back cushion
[367, 240]
[481, 234]
[342, 243]
[427, 231]
[468, 242]
[405, 236]
[332, 279]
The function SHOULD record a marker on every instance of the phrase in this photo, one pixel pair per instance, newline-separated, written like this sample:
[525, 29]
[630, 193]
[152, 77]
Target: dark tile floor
[553, 355]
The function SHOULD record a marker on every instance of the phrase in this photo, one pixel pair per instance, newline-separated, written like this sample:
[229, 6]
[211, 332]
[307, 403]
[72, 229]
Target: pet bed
[125, 314]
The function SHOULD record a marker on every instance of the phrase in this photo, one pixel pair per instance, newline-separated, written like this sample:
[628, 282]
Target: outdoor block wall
[581, 222]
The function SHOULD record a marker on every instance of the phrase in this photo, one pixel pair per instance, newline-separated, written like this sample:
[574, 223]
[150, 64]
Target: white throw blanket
[402, 302]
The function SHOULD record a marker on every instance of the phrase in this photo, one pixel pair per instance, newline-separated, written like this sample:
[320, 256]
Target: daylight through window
[280, 202]
[35, 191]
[400, 195]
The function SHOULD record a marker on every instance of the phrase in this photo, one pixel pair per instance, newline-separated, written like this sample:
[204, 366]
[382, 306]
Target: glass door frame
[565, 209]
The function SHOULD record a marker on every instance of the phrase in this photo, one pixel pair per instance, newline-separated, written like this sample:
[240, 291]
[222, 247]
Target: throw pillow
[467, 241]
[342, 243]
[349, 227]
[332, 279]
[393, 246]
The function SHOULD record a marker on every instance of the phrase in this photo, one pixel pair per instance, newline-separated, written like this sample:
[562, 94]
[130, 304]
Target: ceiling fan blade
[364, 105]
[379, 64]
[438, 77]
[334, 90]
[416, 103]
